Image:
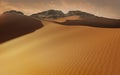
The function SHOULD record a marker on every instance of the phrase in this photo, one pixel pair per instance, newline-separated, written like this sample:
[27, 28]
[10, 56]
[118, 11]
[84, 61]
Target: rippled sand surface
[63, 50]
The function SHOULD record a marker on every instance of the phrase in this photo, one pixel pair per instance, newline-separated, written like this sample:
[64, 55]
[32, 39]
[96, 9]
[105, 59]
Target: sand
[13, 26]
[63, 50]
[68, 18]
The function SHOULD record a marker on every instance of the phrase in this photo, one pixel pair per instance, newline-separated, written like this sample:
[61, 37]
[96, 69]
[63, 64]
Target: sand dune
[89, 21]
[63, 50]
[13, 26]
[68, 18]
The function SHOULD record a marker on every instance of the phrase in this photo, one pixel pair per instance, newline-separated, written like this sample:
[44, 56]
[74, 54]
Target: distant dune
[13, 25]
[63, 19]
[59, 49]
[94, 22]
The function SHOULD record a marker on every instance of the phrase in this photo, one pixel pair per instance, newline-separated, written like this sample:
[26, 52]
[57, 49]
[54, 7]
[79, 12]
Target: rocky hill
[54, 14]
[14, 12]
[50, 14]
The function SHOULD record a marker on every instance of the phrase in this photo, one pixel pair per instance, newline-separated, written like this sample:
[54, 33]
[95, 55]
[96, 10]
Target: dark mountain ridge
[14, 12]
[51, 14]
[54, 14]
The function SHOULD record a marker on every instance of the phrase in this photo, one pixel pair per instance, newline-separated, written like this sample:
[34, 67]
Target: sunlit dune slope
[13, 26]
[63, 19]
[63, 50]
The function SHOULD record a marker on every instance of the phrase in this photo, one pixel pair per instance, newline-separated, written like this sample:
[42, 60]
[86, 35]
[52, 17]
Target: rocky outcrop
[54, 14]
[81, 14]
[14, 12]
[50, 14]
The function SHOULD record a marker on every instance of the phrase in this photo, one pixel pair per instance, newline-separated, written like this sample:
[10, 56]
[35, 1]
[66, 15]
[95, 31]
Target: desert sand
[63, 50]
[67, 18]
[13, 26]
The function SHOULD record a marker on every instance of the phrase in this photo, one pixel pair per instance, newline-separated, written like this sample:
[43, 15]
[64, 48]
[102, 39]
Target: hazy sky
[107, 8]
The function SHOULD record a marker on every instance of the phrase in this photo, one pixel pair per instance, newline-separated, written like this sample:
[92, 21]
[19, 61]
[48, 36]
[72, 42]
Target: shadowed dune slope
[92, 22]
[63, 50]
[13, 26]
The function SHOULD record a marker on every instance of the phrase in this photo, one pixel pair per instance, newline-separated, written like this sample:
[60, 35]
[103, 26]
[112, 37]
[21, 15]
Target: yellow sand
[63, 50]
[68, 18]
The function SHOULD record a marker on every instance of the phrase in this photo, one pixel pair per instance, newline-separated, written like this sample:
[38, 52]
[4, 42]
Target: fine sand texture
[63, 50]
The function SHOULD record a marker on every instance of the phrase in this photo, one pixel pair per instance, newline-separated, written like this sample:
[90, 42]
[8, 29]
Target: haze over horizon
[105, 8]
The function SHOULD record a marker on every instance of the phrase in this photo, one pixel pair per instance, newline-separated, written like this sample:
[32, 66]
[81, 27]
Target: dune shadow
[13, 26]
[92, 23]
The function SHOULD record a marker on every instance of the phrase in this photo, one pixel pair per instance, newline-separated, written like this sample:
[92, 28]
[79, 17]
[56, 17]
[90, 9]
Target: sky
[105, 8]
